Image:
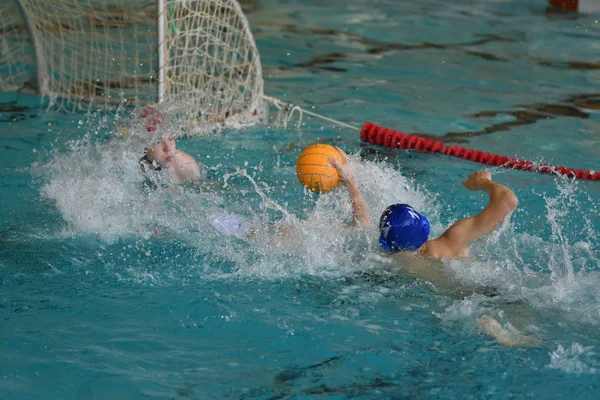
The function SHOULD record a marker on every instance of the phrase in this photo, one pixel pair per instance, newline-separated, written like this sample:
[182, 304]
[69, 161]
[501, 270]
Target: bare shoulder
[425, 268]
[185, 158]
[442, 247]
[187, 167]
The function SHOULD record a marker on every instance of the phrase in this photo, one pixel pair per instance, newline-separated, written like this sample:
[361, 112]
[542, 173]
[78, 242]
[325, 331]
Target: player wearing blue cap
[403, 228]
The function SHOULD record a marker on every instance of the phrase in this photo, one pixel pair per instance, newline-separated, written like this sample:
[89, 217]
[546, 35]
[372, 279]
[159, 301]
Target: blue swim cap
[402, 228]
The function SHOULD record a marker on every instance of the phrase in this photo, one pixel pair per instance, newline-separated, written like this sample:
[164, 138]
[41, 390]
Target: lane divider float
[381, 136]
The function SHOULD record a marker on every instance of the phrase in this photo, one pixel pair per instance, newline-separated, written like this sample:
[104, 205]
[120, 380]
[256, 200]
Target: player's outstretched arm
[502, 202]
[360, 212]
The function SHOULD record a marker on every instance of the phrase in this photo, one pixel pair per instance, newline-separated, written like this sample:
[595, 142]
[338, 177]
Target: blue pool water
[94, 306]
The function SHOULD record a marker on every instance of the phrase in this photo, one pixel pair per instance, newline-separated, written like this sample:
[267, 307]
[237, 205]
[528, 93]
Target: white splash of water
[320, 243]
[560, 272]
[570, 255]
[100, 190]
[576, 359]
[463, 312]
[94, 188]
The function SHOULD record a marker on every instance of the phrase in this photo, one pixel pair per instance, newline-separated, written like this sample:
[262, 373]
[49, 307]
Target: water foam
[576, 359]
[558, 273]
[100, 191]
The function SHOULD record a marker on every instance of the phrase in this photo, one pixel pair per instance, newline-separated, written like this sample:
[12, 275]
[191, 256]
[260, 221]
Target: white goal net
[196, 55]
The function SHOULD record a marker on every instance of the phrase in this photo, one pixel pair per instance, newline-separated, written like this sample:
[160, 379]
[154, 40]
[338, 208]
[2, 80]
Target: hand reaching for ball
[319, 172]
[345, 169]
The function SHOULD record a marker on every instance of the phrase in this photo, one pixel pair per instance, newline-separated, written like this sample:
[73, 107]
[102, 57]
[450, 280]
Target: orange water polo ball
[314, 170]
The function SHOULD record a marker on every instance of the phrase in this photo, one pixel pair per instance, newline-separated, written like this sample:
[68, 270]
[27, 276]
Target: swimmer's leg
[507, 335]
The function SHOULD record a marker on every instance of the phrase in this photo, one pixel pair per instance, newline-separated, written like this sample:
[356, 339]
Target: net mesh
[16, 53]
[86, 53]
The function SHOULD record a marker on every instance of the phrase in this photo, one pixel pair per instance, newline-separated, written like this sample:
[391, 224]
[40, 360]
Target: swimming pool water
[93, 305]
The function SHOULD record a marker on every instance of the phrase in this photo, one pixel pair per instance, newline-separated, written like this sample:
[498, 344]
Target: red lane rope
[382, 136]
